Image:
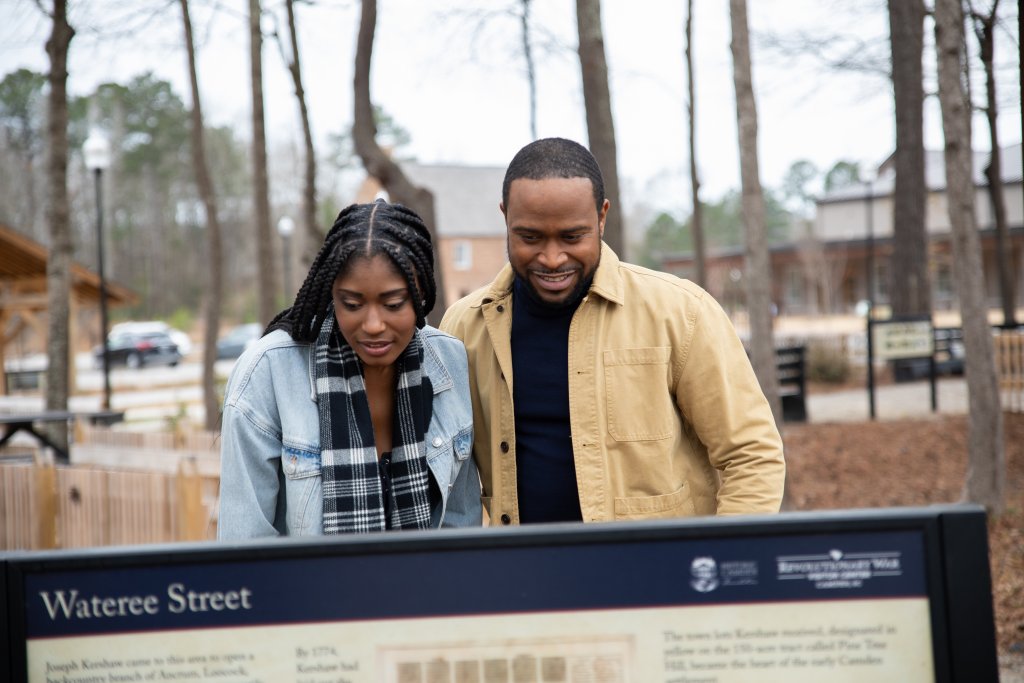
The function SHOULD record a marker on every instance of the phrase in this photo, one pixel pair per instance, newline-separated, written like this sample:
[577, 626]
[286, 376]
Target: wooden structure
[1009, 345]
[123, 488]
[46, 506]
[23, 301]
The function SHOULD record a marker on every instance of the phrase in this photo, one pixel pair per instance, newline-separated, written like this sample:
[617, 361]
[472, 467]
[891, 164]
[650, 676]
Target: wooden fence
[123, 488]
[1009, 346]
[43, 505]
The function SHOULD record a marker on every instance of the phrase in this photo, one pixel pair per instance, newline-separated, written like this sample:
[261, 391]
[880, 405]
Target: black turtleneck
[545, 471]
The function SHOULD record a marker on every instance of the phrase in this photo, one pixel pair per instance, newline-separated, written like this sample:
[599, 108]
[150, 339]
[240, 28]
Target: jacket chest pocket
[449, 454]
[640, 406]
[303, 502]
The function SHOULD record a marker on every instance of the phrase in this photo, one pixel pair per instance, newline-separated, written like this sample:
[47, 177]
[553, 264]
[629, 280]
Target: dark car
[238, 339]
[136, 349]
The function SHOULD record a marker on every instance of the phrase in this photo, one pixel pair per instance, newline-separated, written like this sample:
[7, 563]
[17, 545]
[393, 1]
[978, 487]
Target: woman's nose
[373, 322]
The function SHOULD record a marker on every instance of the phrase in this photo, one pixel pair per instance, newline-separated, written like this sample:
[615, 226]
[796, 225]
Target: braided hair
[363, 231]
[555, 158]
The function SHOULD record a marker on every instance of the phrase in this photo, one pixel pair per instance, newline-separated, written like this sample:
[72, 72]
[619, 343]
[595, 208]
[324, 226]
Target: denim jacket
[270, 440]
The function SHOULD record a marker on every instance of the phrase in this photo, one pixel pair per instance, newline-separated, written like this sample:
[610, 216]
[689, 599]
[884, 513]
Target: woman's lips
[376, 348]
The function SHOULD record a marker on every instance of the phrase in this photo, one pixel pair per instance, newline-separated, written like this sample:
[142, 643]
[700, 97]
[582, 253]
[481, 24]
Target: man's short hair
[554, 158]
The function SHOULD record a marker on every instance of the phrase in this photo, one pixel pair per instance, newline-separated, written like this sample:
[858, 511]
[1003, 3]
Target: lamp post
[96, 151]
[869, 280]
[285, 228]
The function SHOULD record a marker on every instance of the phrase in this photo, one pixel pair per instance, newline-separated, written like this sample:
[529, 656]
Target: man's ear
[601, 217]
[501, 205]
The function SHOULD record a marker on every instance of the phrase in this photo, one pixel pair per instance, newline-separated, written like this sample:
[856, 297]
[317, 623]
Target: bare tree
[261, 199]
[758, 269]
[214, 288]
[696, 226]
[984, 29]
[314, 235]
[986, 460]
[376, 162]
[531, 78]
[598, 103]
[910, 288]
[58, 264]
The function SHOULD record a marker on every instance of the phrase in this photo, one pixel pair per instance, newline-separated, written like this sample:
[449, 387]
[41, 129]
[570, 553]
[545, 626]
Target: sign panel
[893, 339]
[791, 597]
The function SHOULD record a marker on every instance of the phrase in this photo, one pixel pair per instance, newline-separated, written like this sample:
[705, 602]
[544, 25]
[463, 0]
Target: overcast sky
[456, 80]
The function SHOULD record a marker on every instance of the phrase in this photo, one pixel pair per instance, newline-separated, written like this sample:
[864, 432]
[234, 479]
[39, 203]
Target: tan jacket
[668, 419]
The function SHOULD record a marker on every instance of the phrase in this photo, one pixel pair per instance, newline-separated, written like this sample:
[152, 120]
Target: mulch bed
[914, 463]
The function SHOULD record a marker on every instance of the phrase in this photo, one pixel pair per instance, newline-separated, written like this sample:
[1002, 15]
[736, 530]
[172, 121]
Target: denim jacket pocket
[302, 488]
[447, 457]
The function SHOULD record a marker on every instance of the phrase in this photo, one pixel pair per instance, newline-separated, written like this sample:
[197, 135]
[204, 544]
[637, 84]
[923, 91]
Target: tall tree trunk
[598, 103]
[314, 235]
[531, 78]
[758, 265]
[696, 225]
[986, 461]
[268, 288]
[377, 163]
[910, 288]
[58, 264]
[204, 183]
[984, 26]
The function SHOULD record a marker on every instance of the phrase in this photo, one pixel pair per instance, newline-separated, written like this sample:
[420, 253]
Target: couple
[594, 390]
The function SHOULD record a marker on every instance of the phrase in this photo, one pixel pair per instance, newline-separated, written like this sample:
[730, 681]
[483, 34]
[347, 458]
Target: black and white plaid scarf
[352, 492]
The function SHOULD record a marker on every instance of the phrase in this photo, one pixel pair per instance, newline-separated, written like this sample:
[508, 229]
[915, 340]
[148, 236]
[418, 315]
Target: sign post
[903, 337]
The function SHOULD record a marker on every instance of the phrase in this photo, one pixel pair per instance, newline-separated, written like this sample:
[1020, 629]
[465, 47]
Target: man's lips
[555, 281]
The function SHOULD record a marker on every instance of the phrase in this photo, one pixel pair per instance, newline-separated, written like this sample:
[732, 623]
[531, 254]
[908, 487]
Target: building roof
[934, 175]
[24, 259]
[466, 198]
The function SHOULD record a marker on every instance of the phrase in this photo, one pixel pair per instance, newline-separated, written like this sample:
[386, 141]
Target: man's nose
[552, 256]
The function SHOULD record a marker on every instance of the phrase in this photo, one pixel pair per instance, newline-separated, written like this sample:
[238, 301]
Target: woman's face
[373, 306]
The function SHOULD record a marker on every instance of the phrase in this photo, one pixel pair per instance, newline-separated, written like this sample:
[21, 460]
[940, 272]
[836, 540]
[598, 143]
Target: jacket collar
[607, 282]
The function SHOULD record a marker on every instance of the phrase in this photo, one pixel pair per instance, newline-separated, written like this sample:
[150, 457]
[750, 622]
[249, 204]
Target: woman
[351, 414]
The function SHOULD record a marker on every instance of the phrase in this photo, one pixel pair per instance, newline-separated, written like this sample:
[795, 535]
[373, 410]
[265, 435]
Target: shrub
[827, 362]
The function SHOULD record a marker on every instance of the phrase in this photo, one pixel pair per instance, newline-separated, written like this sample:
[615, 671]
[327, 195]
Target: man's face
[554, 235]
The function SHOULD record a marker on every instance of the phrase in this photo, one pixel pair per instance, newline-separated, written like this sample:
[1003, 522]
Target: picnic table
[26, 422]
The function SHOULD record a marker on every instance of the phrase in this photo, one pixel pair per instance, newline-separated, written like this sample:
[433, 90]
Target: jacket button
[504, 446]
[501, 309]
[437, 441]
[505, 519]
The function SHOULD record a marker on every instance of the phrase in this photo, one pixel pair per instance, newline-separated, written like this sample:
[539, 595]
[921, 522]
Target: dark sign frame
[492, 562]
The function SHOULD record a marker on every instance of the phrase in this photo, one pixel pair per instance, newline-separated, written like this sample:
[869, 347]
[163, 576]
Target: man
[603, 390]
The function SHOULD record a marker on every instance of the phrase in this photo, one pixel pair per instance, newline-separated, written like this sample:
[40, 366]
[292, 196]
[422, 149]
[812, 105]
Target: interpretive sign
[841, 596]
[904, 338]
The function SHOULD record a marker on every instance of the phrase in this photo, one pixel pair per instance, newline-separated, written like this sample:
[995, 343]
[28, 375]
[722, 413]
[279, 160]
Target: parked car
[238, 339]
[141, 327]
[136, 349]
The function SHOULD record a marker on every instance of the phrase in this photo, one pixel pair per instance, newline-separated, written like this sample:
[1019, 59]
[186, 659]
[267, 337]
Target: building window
[463, 255]
[794, 287]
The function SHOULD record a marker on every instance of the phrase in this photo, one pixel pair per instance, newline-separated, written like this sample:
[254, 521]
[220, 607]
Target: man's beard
[578, 291]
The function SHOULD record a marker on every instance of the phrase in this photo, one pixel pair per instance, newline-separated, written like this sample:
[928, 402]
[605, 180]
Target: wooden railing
[186, 440]
[1009, 346]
